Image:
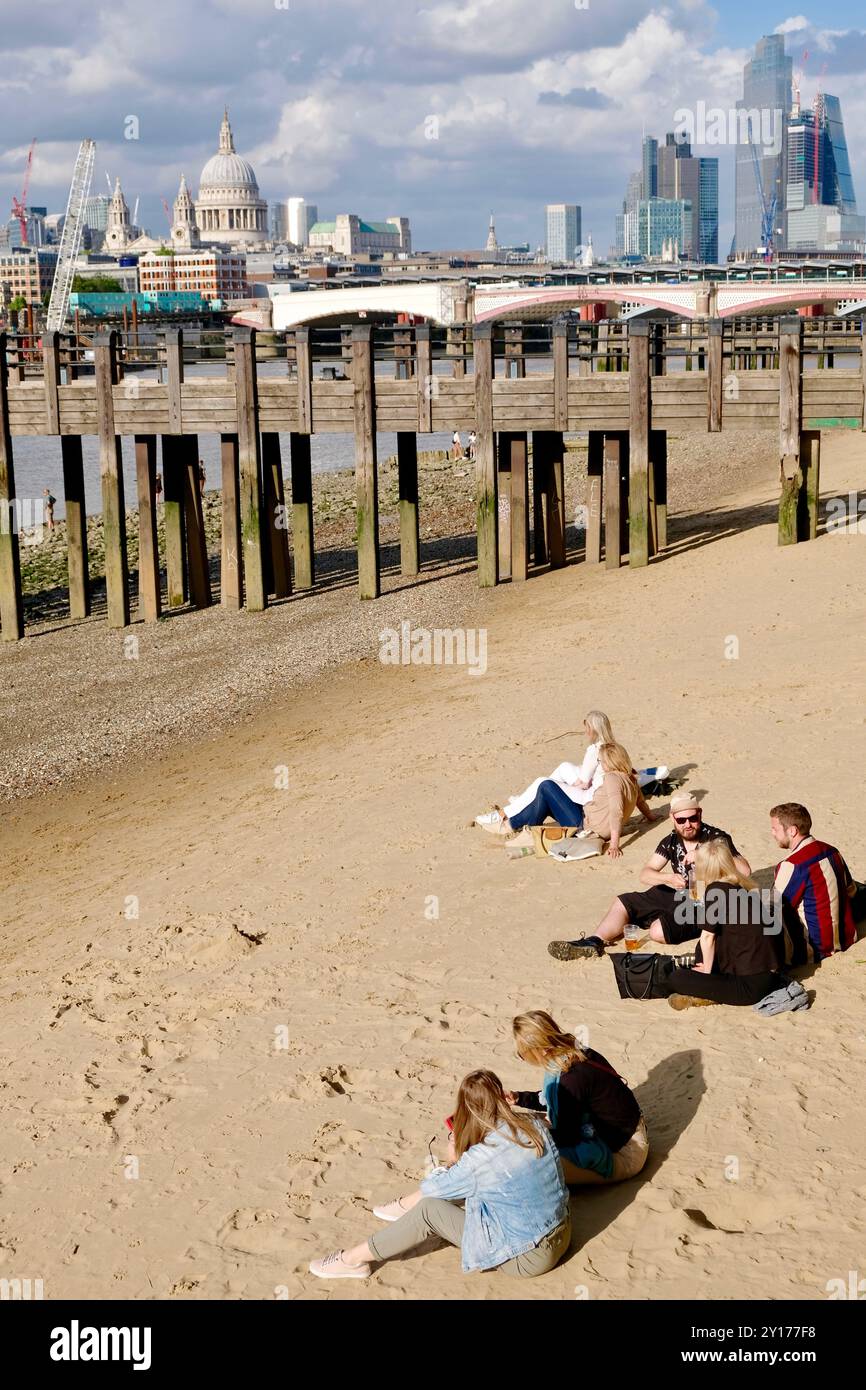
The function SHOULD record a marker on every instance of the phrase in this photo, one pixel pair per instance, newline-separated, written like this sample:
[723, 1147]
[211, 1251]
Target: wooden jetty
[626, 384]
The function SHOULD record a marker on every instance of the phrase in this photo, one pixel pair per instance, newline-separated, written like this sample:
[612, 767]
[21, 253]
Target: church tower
[118, 232]
[184, 231]
[492, 243]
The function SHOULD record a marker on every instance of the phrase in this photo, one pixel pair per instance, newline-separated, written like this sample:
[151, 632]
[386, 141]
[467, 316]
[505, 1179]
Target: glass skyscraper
[563, 231]
[763, 118]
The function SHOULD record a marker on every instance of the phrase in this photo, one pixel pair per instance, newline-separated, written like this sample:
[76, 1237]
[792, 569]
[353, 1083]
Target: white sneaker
[391, 1211]
[488, 819]
[333, 1267]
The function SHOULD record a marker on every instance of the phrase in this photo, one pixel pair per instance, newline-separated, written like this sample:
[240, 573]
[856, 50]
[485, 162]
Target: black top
[591, 1089]
[745, 943]
[673, 846]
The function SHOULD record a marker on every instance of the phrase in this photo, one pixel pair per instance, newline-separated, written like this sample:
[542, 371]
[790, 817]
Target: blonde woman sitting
[594, 1117]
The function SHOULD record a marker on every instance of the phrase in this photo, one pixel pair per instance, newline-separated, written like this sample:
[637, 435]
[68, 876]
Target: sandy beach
[247, 958]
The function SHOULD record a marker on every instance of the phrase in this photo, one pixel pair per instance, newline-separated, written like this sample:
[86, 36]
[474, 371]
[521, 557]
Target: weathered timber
[560, 376]
[304, 362]
[715, 373]
[810, 495]
[276, 516]
[366, 463]
[519, 507]
[111, 478]
[302, 510]
[594, 492]
[72, 457]
[790, 420]
[503, 504]
[407, 488]
[149, 597]
[659, 486]
[639, 431]
[196, 542]
[231, 557]
[249, 464]
[11, 601]
[485, 459]
[174, 520]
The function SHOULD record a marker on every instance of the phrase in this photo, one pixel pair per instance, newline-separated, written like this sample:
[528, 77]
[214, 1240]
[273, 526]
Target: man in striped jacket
[815, 886]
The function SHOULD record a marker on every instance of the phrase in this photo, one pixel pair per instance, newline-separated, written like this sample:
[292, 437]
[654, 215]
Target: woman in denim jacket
[505, 1169]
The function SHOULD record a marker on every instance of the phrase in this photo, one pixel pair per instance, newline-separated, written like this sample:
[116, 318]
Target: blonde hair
[614, 758]
[482, 1108]
[714, 863]
[600, 726]
[540, 1039]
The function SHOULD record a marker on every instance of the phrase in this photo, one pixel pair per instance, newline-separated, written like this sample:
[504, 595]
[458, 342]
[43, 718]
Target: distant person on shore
[473, 440]
[816, 888]
[613, 803]
[49, 504]
[456, 446]
[578, 784]
[202, 476]
[594, 1117]
[504, 1168]
[157, 490]
[741, 953]
[664, 875]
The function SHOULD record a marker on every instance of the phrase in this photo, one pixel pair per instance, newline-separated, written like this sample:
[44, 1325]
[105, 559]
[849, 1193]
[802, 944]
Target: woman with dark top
[595, 1119]
[740, 954]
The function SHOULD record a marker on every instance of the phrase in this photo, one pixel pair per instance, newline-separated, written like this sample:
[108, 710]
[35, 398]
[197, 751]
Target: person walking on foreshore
[202, 476]
[50, 502]
[473, 440]
[157, 490]
[456, 446]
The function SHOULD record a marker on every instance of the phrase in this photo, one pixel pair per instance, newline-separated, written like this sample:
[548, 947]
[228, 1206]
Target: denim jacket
[514, 1197]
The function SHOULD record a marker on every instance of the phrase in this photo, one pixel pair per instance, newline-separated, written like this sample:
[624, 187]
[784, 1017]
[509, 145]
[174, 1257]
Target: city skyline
[472, 116]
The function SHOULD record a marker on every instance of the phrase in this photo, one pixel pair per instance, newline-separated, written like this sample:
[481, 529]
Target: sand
[242, 977]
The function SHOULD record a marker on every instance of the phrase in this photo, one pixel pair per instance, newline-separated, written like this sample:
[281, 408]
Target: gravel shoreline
[80, 699]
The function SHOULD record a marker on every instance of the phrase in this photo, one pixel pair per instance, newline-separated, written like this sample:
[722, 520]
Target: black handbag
[642, 975]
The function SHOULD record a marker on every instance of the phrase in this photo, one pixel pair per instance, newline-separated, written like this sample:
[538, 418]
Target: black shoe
[576, 950]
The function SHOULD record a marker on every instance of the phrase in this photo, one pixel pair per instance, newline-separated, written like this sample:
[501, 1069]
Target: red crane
[19, 205]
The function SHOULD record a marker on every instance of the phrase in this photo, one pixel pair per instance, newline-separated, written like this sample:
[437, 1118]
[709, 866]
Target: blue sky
[442, 110]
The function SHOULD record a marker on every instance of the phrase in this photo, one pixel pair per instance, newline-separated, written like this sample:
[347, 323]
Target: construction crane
[19, 205]
[768, 205]
[70, 241]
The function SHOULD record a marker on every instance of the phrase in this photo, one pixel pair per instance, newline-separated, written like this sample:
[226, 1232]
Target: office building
[563, 232]
[349, 235]
[650, 168]
[210, 271]
[760, 152]
[302, 216]
[28, 274]
[658, 228]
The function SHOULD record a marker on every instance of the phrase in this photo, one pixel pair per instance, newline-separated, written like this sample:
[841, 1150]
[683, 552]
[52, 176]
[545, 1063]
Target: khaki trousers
[627, 1162]
[434, 1217]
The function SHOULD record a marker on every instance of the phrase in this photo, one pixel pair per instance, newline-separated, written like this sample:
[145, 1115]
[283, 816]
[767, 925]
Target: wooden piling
[407, 487]
[560, 376]
[174, 520]
[76, 526]
[790, 422]
[594, 492]
[639, 433]
[519, 507]
[715, 375]
[111, 477]
[540, 498]
[196, 542]
[485, 458]
[659, 490]
[427, 382]
[810, 494]
[302, 511]
[366, 462]
[503, 504]
[553, 446]
[231, 554]
[616, 497]
[149, 597]
[276, 515]
[304, 361]
[11, 600]
[249, 464]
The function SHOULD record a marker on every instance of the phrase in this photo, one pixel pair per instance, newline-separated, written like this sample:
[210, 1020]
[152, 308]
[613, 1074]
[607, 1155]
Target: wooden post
[790, 420]
[658, 349]
[407, 486]
[425, 377]
[231, 559]
[555, 449]
[503, 504]
[111, 476]
[174, 375]
[519, 507]
[276, 516]
[196, 543]
[302, 510]
[659, 489]
[76, 526]
[810, 495]
[11, 600]
[249, 464]
[485, 458]
[149, 599]
[594, 476]
[540, 497]
[366, 462]
[715, 374]
[616, 497]
[515, 361]
[403, 353]
[560, 376]
[639, 432]
[174, 520]
[304, 360]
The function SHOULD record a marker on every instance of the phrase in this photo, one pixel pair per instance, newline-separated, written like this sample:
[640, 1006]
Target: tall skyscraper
[708, 216]
[763, 112]
[650, 168]
[820, 205]
[563, 231]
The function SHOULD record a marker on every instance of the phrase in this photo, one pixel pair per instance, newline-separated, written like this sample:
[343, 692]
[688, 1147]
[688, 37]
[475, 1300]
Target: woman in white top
[578, 783]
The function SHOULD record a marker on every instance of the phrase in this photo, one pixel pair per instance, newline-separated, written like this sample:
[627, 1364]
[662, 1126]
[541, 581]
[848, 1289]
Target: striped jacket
[815, 886]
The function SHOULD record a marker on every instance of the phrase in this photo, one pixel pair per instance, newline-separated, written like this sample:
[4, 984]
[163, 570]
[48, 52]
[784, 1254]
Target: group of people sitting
[745, 943]
[501, 1196]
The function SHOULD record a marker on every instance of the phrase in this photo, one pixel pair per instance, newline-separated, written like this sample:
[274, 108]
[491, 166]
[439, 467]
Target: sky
[440, 110]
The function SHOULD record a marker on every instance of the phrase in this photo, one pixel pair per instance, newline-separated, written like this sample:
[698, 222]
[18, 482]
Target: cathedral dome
[229, 208]
[228, 171]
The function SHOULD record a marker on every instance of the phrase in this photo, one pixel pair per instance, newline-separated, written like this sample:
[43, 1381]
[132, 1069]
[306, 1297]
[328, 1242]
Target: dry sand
[199, 1098]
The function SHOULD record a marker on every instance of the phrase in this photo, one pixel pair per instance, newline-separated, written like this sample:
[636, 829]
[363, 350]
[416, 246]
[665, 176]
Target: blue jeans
[550, 800]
